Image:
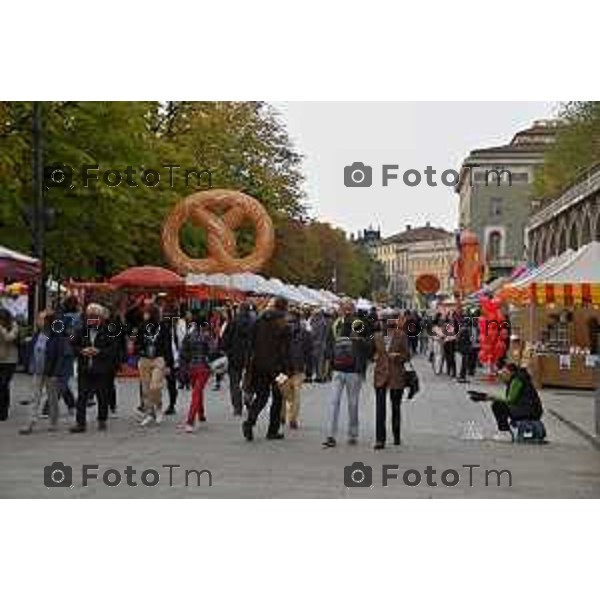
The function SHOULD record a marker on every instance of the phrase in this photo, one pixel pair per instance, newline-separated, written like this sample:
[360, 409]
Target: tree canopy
[99, 229]
[577, 148]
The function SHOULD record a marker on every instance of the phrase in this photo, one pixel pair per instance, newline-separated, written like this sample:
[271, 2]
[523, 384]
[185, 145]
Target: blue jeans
[352, 382]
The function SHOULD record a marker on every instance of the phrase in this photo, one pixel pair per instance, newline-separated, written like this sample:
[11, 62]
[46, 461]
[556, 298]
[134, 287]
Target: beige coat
[8, 344]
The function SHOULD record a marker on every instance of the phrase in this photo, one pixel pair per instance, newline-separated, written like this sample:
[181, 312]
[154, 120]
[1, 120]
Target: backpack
[530, 432]
[343, 354]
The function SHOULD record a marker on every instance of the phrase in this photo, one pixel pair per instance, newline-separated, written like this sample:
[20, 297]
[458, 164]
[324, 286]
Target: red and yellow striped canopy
[563, 294]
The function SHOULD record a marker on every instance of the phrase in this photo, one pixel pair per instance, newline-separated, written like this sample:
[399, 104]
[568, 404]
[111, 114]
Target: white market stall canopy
[252, 283]
[582, 266]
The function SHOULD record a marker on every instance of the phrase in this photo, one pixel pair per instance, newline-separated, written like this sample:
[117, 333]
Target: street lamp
[38, 213]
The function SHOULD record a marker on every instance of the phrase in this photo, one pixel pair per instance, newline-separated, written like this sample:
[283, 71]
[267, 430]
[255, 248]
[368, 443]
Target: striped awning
[564, 294]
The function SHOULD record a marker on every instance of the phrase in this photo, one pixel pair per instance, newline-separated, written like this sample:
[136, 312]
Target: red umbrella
[148, 278]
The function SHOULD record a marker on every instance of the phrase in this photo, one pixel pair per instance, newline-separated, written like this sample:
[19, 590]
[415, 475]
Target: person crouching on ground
[521, 403]
[391, 352]
[153, 346]
[195, 350]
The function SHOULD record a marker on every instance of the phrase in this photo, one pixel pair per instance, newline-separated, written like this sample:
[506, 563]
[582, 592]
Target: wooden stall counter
[546, 370]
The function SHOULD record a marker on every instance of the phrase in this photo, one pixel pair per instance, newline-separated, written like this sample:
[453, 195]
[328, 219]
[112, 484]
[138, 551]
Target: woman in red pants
[195, 351]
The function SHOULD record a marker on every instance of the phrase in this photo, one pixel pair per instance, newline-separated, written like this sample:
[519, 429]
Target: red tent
[14, 265]
[148, 278]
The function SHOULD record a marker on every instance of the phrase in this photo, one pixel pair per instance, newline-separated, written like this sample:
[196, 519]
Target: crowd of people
[268, 355]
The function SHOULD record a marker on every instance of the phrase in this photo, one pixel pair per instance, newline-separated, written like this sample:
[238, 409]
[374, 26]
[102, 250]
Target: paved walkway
[433, 430]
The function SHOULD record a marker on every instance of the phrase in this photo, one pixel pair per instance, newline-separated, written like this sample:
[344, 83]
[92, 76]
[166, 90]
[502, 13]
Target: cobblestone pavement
[433, 430]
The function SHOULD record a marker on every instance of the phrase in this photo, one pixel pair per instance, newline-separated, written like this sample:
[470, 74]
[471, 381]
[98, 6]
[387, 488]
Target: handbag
[411, 381]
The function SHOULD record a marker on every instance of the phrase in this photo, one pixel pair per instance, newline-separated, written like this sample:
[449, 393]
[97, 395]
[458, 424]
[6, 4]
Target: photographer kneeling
[521, 403]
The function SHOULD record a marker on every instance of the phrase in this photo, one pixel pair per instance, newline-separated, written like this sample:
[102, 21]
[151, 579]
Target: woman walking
[153, 345]
[9, 332]
[391, 352]
[194, 355]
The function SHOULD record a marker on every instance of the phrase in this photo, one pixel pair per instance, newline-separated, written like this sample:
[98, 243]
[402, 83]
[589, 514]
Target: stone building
[413, 252]
[496, 194]
[569, 221]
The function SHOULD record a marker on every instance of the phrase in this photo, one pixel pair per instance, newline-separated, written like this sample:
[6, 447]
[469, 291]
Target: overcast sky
[412, 135]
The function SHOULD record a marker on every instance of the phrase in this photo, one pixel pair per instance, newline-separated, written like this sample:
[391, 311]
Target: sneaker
[77, 428]
[202, 419]
[114, 414]
[352, 441]
[275, 436]
[329, 443]
[170, 410]
[146, 420]
[101, 425]
[503, 436]
[379, 446]
[24, 402]
[158, 418]
[189, 428]
[27, 429]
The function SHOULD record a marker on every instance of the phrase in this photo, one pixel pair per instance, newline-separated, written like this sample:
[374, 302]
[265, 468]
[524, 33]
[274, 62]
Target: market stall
[556, 312]
[17, 266]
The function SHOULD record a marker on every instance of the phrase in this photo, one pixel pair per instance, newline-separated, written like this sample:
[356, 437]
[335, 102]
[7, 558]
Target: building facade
[569, 221]
[414, 252]
[495, 188]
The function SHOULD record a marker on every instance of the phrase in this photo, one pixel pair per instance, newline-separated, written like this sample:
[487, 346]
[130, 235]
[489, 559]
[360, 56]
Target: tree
[101, 229]
[577, 148]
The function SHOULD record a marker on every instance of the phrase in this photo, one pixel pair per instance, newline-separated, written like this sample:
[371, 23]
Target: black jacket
[271, 343]
[237, 339]
[153, 340]
[103, 363]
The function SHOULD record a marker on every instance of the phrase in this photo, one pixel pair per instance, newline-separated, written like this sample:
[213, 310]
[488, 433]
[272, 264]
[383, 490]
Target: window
[496, 207]
[494, 246]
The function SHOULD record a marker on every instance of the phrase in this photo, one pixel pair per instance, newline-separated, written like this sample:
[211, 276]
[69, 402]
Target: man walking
[96, 349]
[237, 340]
[351, 350]
[270, 363]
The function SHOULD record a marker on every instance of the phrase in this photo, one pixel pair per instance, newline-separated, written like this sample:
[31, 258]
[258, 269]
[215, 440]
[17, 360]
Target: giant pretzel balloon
[199, 208]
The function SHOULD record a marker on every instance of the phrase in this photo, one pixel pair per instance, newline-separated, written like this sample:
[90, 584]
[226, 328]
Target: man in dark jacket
[237, 342]
[96, 349]
[300, 356]
[49, 359]
[270, 359]
[351, 353]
